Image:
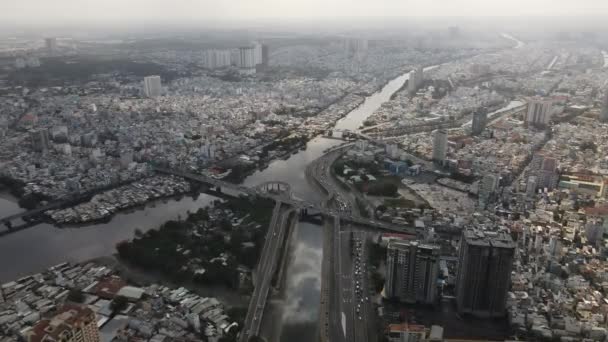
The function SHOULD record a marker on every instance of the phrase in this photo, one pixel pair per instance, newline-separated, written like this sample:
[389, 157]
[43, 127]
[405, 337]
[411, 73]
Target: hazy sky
[61, 11]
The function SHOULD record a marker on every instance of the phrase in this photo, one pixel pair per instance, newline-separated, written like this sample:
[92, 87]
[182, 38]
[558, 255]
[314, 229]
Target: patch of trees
[118, 304]
[284, 144]
[240, 172]
[589, 145]
[56, 71]
[76, 296]
[15, 186]
[32, 200]
[181, 247]
[382, 188]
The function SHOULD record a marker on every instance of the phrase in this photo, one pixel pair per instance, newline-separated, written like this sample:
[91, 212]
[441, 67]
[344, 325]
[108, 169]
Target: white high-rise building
[152, 86]
[539, 111]
[215, 59]
[416, 79]
[440, 145]
[51, 44]
[604, 113]
[247, 58]
[258, 50]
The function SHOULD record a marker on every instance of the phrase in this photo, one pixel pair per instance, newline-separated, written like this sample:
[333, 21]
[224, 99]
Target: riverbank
[142, 277]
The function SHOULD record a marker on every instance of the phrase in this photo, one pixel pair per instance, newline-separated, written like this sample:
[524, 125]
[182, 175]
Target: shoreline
[136, 275]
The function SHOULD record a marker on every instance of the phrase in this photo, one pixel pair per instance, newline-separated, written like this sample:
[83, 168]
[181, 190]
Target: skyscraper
[412, 270]
[416, 79]
[440, 145]
[539, 111]
[214, 59]
[258, 51]
[480, 119]
[71, 323]
[484, 272]
[487, 188]
[544, 168]
[604, 113]
[152, 86]
[41, 141]
[247, 58]
[51, 44]
[265, 55]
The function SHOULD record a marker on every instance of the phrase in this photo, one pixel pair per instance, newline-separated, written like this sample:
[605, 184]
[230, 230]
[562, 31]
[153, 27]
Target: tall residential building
[41, 141]
[539, 111]
[484, 272]
[545, 170]
[50, 44]
[440, 145]
[487, 189]
[412, 271]
[604, 113]
[215, 59]
[247, 58]
[71, 323]
[480, 119]
[265, 55]
[454, 32]
[416, 79]
[355, 46]
[261, 54]
[152, 86]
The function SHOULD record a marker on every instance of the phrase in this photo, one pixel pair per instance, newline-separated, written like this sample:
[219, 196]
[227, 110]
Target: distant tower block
[440, 145]
[604, 113]
[152, 86]
[539, 111]
[480, 119]
[51, 44]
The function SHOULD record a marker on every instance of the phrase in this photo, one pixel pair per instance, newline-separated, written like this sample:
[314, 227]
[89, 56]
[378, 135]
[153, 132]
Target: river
[294, 316]
[39, 247]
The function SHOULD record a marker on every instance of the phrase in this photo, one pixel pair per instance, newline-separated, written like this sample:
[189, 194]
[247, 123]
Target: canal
[44, 245]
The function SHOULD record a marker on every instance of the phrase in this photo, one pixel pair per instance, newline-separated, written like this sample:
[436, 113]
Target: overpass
[286, 198]
[267, 265]
[7, 221]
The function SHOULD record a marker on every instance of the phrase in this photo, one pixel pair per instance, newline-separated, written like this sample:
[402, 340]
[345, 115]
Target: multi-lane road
[350, 309]
[267, 265]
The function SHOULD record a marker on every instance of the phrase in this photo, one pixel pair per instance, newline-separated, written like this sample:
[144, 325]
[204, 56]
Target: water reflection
[44, 245]
[303, 286]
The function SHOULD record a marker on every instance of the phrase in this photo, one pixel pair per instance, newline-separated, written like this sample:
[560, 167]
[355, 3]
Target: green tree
[76, 296]
[119, 303]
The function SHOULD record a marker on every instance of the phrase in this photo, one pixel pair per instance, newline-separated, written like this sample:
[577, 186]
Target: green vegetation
[240, 172]
[377, 281]
[383, 188]
[208, 246]
[118, 304]
[362, 208]
[15, 186]
[286, 144]
[32, 201]
[58, 71]
[76, 296]
[377, 253]
[589, 145]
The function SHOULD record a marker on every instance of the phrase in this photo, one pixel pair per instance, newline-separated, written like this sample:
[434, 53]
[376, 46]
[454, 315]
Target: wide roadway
[266, 267]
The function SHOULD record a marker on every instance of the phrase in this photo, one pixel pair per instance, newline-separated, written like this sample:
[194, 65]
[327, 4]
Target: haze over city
[303, 171]
[241, 12]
